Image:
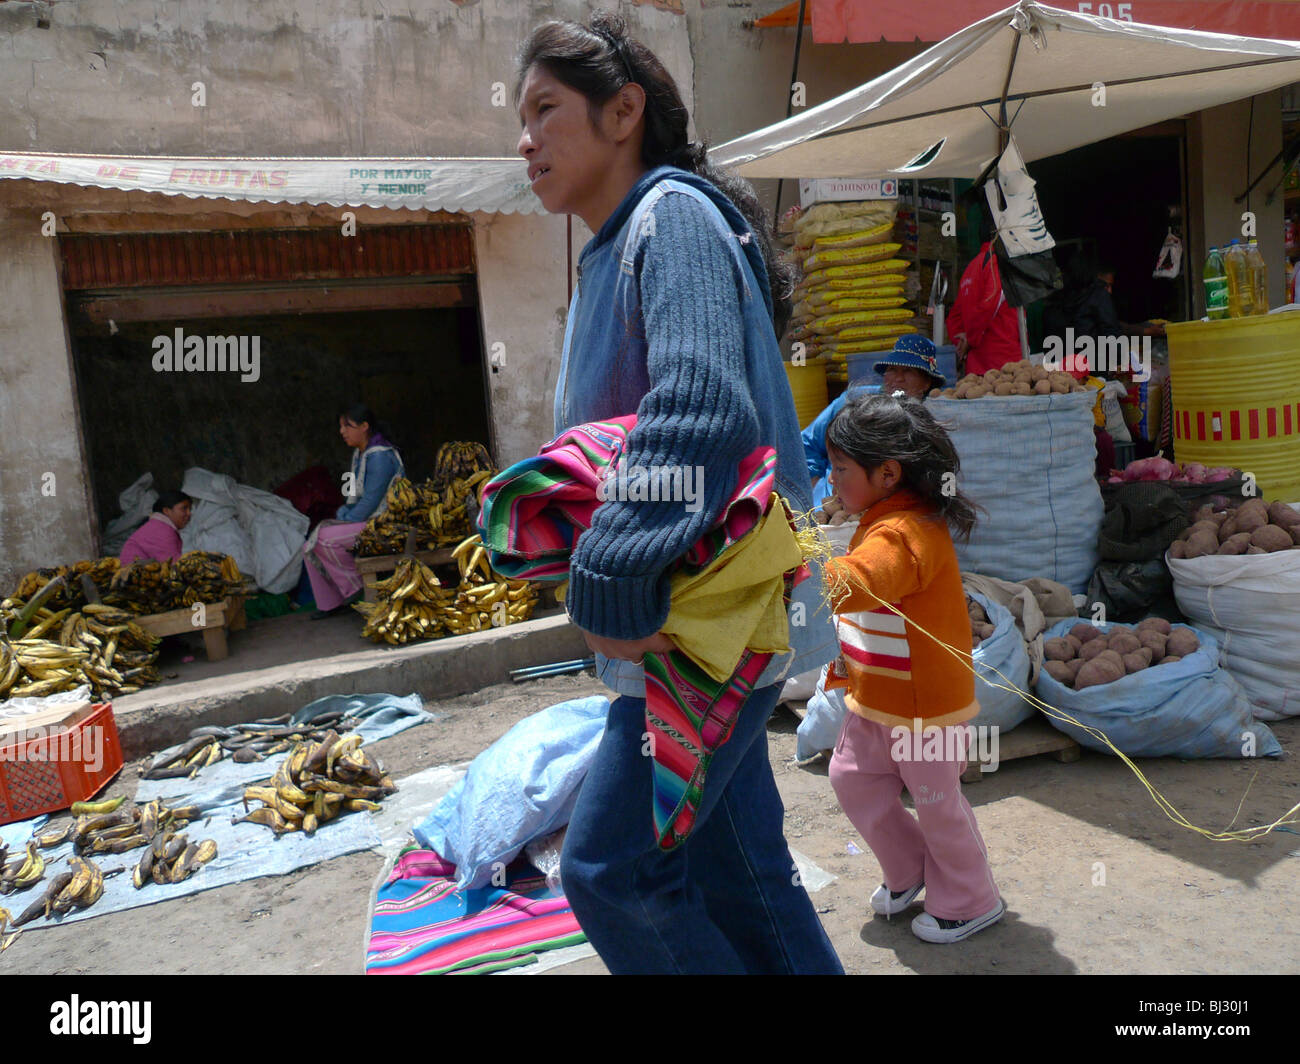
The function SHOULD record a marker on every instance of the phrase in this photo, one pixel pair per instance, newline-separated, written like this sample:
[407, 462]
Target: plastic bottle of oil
[1257, 270]
[1241, 299]
[1216, 286]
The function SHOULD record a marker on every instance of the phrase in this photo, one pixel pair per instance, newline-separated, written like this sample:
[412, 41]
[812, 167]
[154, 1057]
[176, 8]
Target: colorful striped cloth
[532, 515]
[534, 511]
[423, 925]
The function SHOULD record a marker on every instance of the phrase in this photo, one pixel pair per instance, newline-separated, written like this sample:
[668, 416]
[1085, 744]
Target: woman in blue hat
[912, 368]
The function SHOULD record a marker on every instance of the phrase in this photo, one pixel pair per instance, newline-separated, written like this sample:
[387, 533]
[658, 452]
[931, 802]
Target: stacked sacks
[851, 298]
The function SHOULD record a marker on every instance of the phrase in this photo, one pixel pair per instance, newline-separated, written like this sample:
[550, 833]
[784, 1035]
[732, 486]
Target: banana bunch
[147, 587]
[70, 594]
[207, 576]
[21, 872]
[318, 782]
[81, 886]
[245, 743]
[460, 459]
[409, 607]
[115, 831]
[122, 655]
[485, 599]
[33, 667]
[171, 858]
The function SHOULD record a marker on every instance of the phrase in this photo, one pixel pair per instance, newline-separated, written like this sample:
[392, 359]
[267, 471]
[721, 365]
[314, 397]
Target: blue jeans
[728, 900]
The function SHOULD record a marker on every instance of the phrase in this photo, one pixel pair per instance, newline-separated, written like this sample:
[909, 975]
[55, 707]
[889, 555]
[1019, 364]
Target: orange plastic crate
[47, 767]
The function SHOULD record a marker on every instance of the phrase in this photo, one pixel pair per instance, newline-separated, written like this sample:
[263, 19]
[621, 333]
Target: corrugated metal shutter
[137, 260]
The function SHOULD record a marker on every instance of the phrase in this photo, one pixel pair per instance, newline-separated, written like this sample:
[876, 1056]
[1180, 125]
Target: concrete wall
[333, 77]
[40, 432]
[524, 297]
[1216, 150]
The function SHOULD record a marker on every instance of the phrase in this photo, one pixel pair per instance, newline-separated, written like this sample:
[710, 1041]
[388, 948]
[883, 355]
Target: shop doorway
[299, 348]
[1119, 198]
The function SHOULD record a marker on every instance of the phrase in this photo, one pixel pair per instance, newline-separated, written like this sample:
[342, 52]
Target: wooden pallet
[1034, 736]
[220, 617]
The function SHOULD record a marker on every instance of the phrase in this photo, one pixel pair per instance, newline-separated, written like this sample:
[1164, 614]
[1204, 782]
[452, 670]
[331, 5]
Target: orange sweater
[894, 673]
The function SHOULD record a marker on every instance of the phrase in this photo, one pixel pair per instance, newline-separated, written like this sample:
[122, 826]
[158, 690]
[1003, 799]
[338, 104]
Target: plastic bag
[545, 856]
[1251, 604]
[1170, 260]
[820, 728]
[522, 787]
[1003, 651]
[1189, 708]
[137, 504]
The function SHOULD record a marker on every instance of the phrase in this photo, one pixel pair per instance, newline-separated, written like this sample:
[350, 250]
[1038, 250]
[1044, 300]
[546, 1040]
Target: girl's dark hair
[597, 60]
[360, 413]
[167, 499]
[871, 429]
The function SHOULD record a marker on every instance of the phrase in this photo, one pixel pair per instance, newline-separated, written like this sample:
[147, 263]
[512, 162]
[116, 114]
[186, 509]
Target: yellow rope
[834, 587]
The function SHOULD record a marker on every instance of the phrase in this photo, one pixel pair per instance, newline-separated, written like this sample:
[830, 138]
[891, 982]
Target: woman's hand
[629, 649]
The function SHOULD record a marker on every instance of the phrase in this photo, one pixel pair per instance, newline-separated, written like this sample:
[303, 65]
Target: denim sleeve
[698, 417]
[380, 469]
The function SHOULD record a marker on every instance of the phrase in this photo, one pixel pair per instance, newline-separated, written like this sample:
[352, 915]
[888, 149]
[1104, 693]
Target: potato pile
[832, 512]
[1014, 378]
[981, 626]
[1255, 527]
[1088, 657]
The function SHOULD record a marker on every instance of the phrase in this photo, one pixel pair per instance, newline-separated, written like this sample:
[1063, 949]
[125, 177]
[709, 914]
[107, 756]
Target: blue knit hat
[913, 352]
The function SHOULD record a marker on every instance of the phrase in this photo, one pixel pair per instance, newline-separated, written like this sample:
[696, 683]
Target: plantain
[149, 819]
[55, 837]
[266, 795]
[81, 878]
[141, 873]
[184, 865]
[266, 816]
[340, 748]
[361, 804]
[124, 845]
[293, 794]
[309, 823]
[207, 851]
[33, 868]
[89, 825]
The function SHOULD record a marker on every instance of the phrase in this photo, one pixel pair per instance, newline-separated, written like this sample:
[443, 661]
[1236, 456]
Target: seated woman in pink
[159, 538]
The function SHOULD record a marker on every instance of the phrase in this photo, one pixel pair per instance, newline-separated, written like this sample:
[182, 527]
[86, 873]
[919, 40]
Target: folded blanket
[728, 600]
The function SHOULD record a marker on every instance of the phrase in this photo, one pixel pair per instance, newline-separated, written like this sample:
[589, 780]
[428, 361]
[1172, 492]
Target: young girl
[892, 460]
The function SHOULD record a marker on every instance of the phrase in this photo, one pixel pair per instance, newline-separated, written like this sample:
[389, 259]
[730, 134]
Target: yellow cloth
[738, 602]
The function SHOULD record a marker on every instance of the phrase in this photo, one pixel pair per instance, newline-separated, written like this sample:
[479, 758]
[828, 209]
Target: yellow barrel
[1236, 397]
[808, 386]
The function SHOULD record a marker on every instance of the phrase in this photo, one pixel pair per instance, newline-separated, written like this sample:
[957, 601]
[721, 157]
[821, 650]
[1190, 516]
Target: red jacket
[982, 312]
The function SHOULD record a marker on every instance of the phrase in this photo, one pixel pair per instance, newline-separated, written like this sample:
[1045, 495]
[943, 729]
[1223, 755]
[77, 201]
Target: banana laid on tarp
[244, 743]
[320, 780]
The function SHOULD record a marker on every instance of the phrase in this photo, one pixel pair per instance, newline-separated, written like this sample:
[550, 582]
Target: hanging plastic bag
[1170, 261]
[1011, 197]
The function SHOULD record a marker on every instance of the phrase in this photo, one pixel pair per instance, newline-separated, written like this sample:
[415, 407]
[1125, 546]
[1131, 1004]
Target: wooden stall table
[227, 614]
[375, 568]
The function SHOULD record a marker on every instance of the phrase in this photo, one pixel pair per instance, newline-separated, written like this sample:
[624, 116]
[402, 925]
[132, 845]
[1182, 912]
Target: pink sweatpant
[331, 567]
[940, 845]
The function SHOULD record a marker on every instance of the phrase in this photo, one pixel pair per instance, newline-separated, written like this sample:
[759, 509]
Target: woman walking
[675, 319]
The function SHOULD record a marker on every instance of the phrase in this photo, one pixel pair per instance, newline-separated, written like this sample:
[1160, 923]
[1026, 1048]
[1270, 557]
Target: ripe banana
[33, 868]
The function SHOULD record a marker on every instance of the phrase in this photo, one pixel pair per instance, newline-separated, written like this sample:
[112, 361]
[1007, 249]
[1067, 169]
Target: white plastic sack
[1189, 708]
[1001, 653]
[262, 532]
[820, 728]
[1014, 205]
[1251, 605]
[1029, 462]
[136, 503]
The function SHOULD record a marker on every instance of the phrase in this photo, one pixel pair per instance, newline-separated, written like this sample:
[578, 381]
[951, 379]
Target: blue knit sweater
[671, 321]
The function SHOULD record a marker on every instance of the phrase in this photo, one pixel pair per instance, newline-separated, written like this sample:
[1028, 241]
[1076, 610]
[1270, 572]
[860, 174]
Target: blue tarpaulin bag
[1003, 651]
[1190, 708]
[525, 785]
[1029, 462]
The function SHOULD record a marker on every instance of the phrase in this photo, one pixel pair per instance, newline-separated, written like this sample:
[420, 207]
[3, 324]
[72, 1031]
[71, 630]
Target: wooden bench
[219, 617]
[375, 568]
[1034, 736]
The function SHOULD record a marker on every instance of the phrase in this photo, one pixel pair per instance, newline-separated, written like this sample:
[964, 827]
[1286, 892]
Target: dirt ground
[1096, 878]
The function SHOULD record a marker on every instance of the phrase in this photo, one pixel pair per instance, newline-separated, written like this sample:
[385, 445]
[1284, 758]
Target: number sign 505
[1123, 12]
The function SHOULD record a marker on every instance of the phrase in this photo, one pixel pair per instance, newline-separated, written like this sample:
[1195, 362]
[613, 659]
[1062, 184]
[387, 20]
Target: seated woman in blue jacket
[331, 566]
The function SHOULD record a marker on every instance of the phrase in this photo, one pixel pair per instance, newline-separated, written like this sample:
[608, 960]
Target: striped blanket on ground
[423, 925]
[532, 515]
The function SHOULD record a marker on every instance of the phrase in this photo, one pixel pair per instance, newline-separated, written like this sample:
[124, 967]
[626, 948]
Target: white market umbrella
[1046, 64]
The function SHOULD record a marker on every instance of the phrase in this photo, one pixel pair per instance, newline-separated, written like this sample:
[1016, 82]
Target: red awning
[865, 21]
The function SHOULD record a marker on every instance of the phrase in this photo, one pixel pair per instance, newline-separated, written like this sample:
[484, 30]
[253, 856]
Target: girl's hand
[629, 649]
